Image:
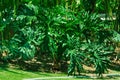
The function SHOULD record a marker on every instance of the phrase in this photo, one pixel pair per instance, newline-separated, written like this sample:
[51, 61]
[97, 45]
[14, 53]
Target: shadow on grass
[114, 66]
[7, 70]
[5, 67]
[113, 75]
[41, 73]
[95, 77]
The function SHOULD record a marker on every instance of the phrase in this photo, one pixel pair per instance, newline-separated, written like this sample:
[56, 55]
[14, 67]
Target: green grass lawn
[16, 74]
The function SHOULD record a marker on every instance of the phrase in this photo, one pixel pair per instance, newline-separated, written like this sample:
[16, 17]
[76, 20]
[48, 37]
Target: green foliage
[75, 55]
[76, 60]
[60, 31]
[116, 37]
[98, 55]
[22, 44]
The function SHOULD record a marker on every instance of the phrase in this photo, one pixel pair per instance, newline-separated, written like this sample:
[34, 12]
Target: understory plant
[98, 56]
[74, 54]
[60, 34]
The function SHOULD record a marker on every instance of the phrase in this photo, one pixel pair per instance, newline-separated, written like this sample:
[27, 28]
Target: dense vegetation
[71, 32]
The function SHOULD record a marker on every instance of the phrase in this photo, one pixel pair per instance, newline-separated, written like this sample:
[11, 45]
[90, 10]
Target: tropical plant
[64, 30]
[98, 55]
[75, 55]
[20, 39]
